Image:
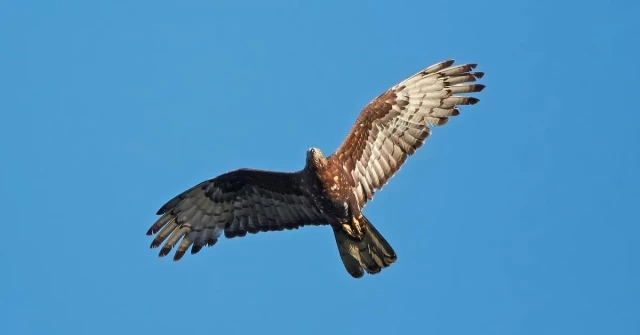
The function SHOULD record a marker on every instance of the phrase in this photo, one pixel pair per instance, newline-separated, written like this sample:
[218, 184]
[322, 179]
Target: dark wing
[395, 124]
[237, 202]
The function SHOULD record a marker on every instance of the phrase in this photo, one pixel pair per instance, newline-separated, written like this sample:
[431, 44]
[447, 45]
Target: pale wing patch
[423, 100]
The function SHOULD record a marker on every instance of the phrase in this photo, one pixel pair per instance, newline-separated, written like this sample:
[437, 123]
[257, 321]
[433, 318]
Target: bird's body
[329, 190]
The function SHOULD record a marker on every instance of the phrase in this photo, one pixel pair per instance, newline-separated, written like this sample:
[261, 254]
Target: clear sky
[520, 216]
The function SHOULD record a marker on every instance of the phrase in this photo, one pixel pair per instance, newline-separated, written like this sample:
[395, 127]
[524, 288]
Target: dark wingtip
[473, 65]
[164, 251]
[478, 74]
[473, 101]
[479, 87]
[178, 255]
[154, 244]
[195, 249]
[447, 63]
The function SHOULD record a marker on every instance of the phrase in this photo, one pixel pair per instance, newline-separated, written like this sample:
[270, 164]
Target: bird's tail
[371, 254]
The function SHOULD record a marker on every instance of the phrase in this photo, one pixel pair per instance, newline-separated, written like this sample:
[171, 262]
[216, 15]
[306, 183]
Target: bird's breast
[334, 191]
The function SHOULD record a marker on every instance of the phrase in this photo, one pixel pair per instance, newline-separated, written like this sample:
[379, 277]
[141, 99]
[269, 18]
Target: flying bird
[330, 190]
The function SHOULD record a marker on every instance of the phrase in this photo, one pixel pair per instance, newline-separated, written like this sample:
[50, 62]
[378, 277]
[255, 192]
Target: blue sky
[518, 217]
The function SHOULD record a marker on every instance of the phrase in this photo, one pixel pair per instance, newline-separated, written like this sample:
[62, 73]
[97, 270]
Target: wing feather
[396, 123]
[234, 204]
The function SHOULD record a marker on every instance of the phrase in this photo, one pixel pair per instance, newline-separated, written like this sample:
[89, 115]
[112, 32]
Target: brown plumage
[329, 190]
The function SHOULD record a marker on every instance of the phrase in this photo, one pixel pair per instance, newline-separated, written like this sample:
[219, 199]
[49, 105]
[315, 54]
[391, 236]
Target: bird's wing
[236, 203]
[395, 124]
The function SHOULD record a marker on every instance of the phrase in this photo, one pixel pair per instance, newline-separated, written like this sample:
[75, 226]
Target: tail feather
[372, 254]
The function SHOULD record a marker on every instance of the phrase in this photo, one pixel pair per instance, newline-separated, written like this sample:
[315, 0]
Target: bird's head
[316, 158]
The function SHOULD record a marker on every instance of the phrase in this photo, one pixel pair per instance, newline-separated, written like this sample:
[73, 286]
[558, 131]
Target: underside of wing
[397, 123]
[236, 203]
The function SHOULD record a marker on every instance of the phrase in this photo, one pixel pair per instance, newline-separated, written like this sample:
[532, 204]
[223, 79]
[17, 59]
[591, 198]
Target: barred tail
[371, 254]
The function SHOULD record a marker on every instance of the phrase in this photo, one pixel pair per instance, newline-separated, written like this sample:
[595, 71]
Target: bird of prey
[329, 190]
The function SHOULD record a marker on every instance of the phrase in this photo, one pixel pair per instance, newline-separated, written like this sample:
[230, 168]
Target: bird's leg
[359, 227]
[353, 223]
[354, 228]
[347, 228]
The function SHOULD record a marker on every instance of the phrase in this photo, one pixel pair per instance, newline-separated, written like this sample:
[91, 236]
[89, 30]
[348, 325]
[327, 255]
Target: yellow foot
[348, 229]
[355, 229]
[357, 226]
